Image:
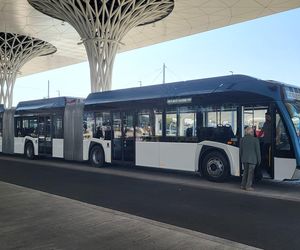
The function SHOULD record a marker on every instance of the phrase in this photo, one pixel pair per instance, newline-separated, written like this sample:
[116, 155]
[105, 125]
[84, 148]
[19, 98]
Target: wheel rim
[215, 167]
[96, 156]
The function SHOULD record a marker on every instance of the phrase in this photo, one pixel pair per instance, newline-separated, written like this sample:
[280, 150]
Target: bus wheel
[215, 166]
[29, 151]
[97, 156]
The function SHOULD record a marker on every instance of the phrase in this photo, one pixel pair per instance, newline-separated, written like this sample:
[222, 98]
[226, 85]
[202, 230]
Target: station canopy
[188, 17]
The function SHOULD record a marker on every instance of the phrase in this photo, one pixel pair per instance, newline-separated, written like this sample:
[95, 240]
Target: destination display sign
[179, 101]
[292, 93]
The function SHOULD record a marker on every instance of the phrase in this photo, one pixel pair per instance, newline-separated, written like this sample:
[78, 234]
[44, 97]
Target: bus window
[181, 124]
[117, 125]
[44, 126]
[143, 128]
[30, 125]
[228, 118]
[187, 122]
[171, 122]
[158, 122]
[128, 126]
[255, 117]
[18, 127]
[219, 124]
[211, 118]
[58, 126]
[220, 116]
[103, 126]
[88, 125]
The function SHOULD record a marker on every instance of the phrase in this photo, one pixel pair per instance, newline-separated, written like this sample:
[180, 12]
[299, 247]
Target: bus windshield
[294, 111]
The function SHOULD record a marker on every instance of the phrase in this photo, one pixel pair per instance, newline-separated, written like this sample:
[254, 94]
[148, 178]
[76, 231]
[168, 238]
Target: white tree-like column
[102, 24]
[15, 51]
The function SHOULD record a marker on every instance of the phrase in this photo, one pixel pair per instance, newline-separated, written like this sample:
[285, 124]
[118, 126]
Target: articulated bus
[190, 126]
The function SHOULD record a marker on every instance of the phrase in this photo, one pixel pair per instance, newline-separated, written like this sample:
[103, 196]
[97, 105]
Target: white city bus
[194, 126]
[191, 126]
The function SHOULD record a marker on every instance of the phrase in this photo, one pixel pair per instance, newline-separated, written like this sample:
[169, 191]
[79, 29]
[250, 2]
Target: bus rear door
[123, 142]
[45, 137]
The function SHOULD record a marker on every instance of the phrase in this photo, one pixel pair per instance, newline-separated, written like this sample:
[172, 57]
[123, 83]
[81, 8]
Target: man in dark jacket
[250, 157]
[266, 139]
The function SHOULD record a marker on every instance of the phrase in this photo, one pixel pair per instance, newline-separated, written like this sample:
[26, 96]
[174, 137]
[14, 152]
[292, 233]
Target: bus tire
[215, 166]
[97, 156]
[29, 151]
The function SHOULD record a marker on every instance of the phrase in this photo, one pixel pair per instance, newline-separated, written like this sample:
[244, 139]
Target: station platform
[31, 219]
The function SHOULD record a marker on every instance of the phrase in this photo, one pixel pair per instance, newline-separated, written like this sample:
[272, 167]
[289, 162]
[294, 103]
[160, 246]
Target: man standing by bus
[250, 157]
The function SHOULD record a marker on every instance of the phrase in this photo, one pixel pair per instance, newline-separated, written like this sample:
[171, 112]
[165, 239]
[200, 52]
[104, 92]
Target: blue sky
[266, 48]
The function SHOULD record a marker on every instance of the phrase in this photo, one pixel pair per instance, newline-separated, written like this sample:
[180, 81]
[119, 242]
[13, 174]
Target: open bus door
[123, 140]
[277, 154]
[254, 116]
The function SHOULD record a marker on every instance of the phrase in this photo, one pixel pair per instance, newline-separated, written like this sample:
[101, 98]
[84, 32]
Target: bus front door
[254, 116]
[123, 148]
[45, 138]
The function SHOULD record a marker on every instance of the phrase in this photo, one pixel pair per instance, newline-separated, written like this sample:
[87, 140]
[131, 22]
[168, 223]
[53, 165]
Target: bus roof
[231, 83]
[50, 103]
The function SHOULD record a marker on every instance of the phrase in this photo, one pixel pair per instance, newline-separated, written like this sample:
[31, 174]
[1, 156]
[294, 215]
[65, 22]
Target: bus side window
[103, 126]
[88, 125]
[143, 128]
[187, 123]
[33, 126]
[158, 124]
[18, 127]
[219, 124]
[171, 122]
[58, 126]
[26, 127]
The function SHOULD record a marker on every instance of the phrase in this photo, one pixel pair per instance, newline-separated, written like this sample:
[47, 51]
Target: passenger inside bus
[266, 142]
[87, 134]
[103, 131]
[189, 132]
[108, 133]
[99, 133]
